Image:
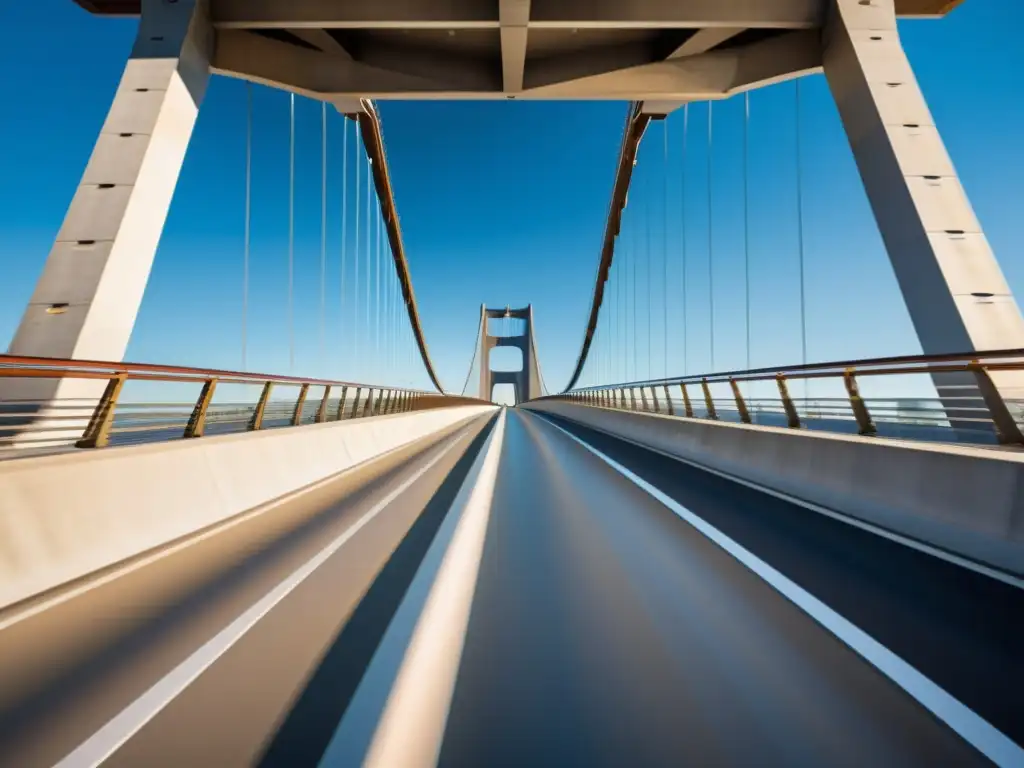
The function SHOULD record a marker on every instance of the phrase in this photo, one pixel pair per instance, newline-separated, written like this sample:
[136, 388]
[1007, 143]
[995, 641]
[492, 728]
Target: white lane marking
[104, 742]
[90, 584]
[928, 549]
[973, 728]
[411, 729]
[398, 714]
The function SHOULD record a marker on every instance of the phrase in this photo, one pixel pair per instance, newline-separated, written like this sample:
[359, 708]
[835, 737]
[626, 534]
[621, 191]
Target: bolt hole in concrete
[85, 243]
[57, 309]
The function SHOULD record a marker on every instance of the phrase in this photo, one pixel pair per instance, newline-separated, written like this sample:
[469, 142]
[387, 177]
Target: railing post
[860, 410]
[387, 402]
[299, 405]
[256, 422]
[375, 410]
[321, 412]
[654, 398]
[197, 421]
[368, 406]
[643, 399]
[341, 403]
[668, 400]
[709, 403]
[355, 403]
[1007, 430]
[792, 416]
[741, 404]
[97, 433]
[687, 405]
[632, 399]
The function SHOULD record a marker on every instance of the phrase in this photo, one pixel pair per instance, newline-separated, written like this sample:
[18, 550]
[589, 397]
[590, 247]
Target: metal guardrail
[969, 406]
[116, 417]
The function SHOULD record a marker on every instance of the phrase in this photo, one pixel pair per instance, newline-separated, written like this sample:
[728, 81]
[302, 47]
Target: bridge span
[208, 566]
[520, 590]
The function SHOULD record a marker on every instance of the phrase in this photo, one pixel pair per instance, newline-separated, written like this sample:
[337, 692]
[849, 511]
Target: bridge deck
[604, 630]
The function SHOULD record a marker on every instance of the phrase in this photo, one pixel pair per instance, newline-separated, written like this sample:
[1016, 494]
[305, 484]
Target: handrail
[373, 140]
[970, 405]
[91, 418]
[11, 363]
[636, 124]
[825, 369]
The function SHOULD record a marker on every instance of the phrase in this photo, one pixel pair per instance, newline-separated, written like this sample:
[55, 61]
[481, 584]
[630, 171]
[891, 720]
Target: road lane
[960, 628]
[606, 631]
[67, 670]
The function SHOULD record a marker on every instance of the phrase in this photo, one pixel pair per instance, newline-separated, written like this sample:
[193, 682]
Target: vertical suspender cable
[624, 374]
[386, 314]
[711, 233]
[377, 332]
[746, 213]
[649, 211]
[664, 240]
[634, 251]
[353, 331]
[291, 236]
[370, 192]
[248, 223]
[344, 228]
[682, 205]
[800, 232]
[323, 232]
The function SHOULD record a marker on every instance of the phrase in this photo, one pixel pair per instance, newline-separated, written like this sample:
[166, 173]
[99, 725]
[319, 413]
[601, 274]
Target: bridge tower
[527, 381]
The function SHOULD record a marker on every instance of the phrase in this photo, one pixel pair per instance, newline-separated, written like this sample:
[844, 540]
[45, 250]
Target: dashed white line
[973, 728]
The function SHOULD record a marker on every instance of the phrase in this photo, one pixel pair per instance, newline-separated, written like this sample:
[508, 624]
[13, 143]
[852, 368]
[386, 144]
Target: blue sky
[505, 203]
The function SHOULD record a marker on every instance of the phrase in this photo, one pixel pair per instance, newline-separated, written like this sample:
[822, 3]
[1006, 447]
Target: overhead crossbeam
[551, 14]
[453, 10]
[619, 73]
[514, 17]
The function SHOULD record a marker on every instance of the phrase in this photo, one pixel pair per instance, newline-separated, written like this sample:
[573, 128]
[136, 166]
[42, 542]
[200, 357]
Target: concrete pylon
[527, 382]
[956, 294]
[86, 301]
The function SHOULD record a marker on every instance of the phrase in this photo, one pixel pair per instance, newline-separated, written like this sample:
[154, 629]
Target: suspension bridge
[658, 561]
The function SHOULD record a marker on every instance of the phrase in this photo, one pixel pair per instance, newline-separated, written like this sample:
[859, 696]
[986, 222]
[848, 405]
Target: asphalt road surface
[601, 628]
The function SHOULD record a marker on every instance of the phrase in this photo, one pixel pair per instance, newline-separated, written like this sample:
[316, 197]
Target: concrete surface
[964, 500]
[65, 516]
[605, 629]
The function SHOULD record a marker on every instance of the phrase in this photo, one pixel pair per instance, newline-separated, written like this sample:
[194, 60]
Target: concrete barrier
[965, 500]
[68, 515]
